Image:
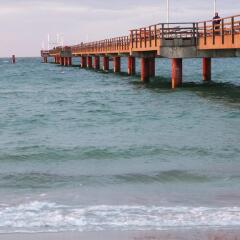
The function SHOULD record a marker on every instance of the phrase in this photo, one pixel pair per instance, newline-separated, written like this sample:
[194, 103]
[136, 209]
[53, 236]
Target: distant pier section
[175, 41]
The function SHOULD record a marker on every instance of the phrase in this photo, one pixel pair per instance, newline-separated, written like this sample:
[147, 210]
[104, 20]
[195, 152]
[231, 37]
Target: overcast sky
[24, 24]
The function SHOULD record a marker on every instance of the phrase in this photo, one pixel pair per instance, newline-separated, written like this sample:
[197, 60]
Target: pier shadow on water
[212, 90]
[226, 92]
[221, 91]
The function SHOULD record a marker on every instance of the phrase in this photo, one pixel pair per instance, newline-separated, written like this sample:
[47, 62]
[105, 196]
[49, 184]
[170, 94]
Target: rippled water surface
[84, 151]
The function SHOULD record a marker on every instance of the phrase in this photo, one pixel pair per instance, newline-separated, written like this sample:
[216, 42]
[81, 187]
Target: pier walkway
[175, 41]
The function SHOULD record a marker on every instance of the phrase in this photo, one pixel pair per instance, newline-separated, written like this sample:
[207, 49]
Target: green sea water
[88, 151]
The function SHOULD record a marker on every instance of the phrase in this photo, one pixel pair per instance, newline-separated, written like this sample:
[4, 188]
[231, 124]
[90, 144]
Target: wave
[51, 217]
[42, 152]
[47, 180]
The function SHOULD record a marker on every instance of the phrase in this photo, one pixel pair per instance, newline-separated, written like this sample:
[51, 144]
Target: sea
[82, 150]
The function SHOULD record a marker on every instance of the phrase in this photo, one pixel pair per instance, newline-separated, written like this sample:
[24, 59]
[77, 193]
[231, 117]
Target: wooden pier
[175, 41]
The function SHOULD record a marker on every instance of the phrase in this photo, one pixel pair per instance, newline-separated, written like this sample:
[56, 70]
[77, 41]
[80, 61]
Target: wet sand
[200, 234]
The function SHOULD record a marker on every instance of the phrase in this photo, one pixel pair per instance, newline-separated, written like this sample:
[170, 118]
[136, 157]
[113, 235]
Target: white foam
[49, 217]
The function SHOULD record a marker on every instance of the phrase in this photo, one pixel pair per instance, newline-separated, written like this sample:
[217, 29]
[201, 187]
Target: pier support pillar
[83, 62]
[117, 64]
[207, 69]
[45, 60]
[57, 60]
[145, 69]
[176, 72]
[151, 67]
[97, 62]
[131, 65]
[105, 63]
[89, 61]
[62, 61]
[13, 59]
[65, 61]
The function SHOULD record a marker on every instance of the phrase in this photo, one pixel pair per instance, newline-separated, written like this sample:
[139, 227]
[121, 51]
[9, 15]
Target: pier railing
[152, 36]
[112, 45]
[223, 31]
[45, 53]
[56, 50]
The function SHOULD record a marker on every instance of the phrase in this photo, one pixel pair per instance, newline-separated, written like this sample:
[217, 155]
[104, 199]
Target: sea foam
[51, 217]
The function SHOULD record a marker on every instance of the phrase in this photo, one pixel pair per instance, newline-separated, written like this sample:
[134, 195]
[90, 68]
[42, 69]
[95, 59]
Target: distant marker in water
[13, 59]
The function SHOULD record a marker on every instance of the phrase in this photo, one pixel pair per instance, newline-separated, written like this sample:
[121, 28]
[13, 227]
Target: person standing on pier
[216, 23]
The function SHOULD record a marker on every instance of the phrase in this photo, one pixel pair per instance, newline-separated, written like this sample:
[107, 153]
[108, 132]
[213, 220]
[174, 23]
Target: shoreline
[186, 234]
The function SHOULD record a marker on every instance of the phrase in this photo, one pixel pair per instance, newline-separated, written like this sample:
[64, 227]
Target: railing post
[233, 31]
[194, 33]
[162, 31]
[140, 37]
[136, 38]
[197, 34]
[155, 34]
[132, 40]
[213, 32]
[222, 32]
[145, 38]
[150, 36]
[205, 33]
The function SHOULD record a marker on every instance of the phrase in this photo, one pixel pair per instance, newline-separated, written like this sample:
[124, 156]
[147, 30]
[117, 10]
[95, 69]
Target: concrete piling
[152, 67]
[83, 62]
[145, 69]
[89, 62]
[105, 63]
[96, 62]
[207, 69]
[131, 65]
[117, 64]
[176, 72]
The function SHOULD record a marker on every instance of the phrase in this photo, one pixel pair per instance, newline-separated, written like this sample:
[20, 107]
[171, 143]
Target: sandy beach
[201, 234]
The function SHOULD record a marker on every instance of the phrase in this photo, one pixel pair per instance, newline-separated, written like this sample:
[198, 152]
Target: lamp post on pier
[168, 15]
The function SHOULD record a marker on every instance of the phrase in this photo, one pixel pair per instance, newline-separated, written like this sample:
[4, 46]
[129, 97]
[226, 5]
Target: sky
[25, 24]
